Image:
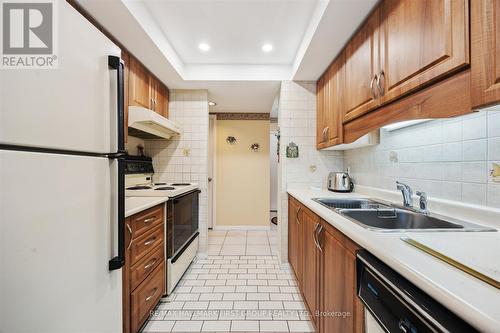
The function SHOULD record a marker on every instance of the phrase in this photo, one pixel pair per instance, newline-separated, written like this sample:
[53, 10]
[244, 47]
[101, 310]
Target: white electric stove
[142, 189]
[139, 180]
[182, 207]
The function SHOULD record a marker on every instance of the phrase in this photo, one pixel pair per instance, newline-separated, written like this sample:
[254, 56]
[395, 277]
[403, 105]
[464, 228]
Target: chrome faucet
[423, 202]
[407, 194]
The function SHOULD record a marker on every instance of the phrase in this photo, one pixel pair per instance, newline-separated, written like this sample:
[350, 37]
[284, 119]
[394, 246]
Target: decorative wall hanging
[292, 150]
[231, 140]
[495, 173]
[255, 147]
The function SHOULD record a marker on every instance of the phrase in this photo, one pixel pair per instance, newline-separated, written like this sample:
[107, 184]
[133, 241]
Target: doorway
[212, 133]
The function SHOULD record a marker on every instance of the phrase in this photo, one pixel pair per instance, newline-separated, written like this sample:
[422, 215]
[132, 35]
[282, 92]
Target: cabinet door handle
[327, 129]
[297, 215]
[130, 232]
[151, 264]
[314, 234]
[320, 229]
[151, 219]
[381, 87]
[152, 295]
[150, 241]
[372, 82]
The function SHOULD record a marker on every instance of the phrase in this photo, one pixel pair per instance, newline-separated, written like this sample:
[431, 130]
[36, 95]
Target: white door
[57, 234]
[72, 107]
[273, 164]
[211, 171]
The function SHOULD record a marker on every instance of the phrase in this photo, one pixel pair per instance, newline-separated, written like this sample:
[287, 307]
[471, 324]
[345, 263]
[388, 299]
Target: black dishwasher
[398, 305]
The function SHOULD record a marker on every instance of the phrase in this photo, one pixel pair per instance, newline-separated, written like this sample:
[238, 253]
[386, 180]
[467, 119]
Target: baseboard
[240, 227]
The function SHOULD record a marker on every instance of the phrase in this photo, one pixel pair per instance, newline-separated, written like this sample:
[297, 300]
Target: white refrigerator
[61, 187]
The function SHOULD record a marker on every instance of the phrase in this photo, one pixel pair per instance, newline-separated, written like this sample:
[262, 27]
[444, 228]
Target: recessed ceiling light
[212, 104]
[267, 47]
[204, 47]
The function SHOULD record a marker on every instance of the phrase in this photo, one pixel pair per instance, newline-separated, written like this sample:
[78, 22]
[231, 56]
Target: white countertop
[471, 299]
[135, 205]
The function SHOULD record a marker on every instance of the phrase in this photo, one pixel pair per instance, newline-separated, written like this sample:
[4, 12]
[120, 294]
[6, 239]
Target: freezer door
[72, 107]
[57, 235]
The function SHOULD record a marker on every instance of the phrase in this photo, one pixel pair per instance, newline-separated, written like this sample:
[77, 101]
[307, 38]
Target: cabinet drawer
[146, 220]
[145, 266]
[146, 296]
[140, 246]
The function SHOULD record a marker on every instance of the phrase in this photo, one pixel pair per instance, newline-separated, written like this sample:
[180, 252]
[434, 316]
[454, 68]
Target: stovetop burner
[139, 188]
[160, 183]
[181, 184]
[165, 188]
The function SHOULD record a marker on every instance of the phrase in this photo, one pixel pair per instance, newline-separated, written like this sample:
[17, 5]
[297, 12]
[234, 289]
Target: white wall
[297, 123]
[185, 157]
[448, 159]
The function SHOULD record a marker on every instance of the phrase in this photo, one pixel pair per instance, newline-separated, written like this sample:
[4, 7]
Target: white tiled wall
[297, 123]
[185, 157]
[449, 159]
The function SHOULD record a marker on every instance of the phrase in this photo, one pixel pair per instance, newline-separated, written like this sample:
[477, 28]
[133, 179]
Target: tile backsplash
[184, 158]
[297, 123]
[449, 159]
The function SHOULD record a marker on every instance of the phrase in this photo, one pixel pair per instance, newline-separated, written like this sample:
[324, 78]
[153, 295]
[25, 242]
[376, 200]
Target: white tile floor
[240, 287]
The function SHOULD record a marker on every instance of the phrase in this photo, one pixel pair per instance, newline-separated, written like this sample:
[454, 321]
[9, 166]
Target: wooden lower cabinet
[342, 311]
[310, 282]
[328, 273]
[295, 238]
[144, 272]
[145, 297]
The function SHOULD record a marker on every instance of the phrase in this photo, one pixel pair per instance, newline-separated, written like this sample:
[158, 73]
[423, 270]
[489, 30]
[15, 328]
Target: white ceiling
[235, 30]
[164, 35]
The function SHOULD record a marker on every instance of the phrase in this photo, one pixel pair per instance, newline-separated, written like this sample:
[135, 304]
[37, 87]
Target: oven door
[185, 212]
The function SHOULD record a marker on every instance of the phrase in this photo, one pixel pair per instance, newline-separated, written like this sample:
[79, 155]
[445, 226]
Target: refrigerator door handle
[115, 63]
[118, 261]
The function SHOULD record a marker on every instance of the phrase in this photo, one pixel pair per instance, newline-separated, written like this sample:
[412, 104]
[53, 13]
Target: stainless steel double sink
[383, 216]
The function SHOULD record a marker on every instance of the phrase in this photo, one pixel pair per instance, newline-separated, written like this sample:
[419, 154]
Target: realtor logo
[28, 34]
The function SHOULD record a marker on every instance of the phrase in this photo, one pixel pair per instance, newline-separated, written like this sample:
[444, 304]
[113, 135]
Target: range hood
[147, 124]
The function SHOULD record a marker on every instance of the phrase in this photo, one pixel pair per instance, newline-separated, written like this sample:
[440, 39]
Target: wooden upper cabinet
[145, 90]
[159, 97]
[310, 281]
[421, 41]
[320, 113]
[139, 91]
[338, 283]
[361, 68]
[336, 90]
[485, 52]
[330, 105]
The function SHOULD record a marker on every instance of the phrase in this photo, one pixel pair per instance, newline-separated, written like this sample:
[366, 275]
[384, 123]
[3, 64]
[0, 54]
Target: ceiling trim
[241, 116]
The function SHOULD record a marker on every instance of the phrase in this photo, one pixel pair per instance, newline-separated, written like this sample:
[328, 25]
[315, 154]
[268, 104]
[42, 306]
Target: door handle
[297, 215]
[327, 129]
[151, 263]
[131, 240]
[150, 241]
[115, 63]
[381, 87]
[372, 82]
[314, 234]
[209, 179]
[152, 295]
[151, 219]
[320, 229]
